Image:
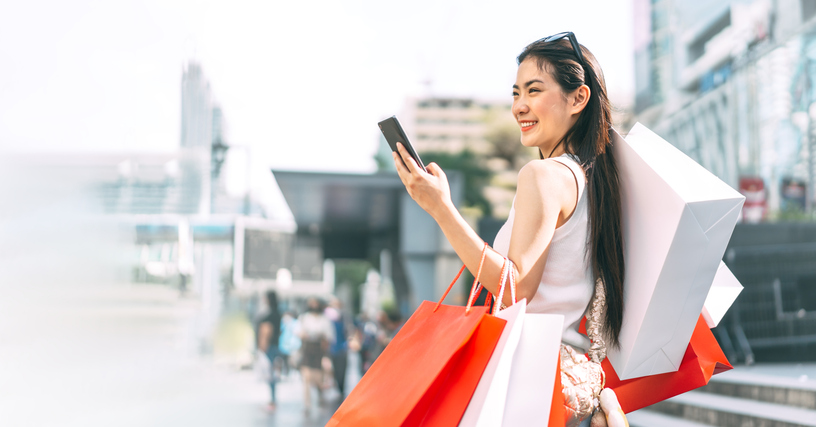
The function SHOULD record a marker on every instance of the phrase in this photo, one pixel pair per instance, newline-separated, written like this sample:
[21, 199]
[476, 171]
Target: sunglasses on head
[573, 41]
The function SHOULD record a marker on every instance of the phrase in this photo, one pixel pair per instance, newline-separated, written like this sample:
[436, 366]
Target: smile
[526, 125]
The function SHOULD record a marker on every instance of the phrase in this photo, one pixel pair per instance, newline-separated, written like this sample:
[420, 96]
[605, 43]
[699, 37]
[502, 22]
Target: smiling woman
[563, 234]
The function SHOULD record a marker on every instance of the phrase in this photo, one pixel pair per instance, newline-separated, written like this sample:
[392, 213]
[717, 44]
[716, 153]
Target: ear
[580, 98]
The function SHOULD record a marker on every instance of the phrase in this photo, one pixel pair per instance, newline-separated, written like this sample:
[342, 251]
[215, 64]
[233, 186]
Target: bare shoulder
[547, 177]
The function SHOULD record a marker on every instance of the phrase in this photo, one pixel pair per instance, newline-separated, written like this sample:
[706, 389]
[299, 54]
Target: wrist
[443, 211]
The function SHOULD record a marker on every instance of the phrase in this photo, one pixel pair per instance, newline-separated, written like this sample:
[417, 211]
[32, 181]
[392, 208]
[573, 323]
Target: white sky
[302, 83]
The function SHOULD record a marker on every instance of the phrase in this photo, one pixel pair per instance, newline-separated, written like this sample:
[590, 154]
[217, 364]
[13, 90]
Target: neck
[554, 151]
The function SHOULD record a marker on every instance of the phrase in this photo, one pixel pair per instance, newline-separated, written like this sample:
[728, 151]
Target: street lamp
[219, 154]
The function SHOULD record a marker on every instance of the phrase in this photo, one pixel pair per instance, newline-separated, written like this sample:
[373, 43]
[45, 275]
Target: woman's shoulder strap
[571, 162]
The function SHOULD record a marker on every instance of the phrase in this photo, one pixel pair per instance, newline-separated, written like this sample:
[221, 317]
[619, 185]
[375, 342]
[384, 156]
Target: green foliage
[352, 271]
[476, 175]
[385, 163]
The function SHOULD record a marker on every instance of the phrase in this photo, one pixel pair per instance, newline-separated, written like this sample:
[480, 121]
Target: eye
[515, 94]
[532, 90]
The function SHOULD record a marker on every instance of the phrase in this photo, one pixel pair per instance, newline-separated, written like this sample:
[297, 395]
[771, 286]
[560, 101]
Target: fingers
[434, 169]
[610, 405]
[406, 157]
[402, 171]
[437, 172]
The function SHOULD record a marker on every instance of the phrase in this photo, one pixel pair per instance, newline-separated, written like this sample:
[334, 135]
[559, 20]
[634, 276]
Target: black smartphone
[393, 133]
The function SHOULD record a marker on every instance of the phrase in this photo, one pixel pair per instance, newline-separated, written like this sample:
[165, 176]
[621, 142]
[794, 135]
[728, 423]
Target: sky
[301, 84]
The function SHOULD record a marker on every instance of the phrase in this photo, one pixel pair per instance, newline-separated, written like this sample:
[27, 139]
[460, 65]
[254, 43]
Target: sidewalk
[126, 355]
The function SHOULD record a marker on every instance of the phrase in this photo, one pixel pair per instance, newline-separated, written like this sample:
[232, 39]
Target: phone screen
[393, 133]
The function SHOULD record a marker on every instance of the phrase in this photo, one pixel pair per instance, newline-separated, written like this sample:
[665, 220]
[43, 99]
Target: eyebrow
[529, 83]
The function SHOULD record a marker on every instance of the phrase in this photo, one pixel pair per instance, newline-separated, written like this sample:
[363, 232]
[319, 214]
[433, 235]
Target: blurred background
[165, 165]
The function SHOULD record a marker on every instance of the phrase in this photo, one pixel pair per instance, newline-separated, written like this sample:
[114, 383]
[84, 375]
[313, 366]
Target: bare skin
[547, 190]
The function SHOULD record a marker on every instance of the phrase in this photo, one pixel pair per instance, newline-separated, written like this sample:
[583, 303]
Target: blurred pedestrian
[289, 342]
[316, 334]
[390, 321]
[368, 330]
[338, 351]
[269, 332]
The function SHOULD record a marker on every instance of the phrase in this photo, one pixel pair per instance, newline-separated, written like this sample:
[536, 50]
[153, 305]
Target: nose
[520, 107]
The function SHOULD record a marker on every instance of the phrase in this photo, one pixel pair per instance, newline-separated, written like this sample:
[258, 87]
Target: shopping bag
[534, 391]
[486, 407]
[677, 219]
[703, 358]
[521, 384]
[724, 291]
[428, 373]
[262, 366]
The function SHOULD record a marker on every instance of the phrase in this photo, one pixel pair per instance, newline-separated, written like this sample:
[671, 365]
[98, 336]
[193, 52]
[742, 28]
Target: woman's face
[540, 107]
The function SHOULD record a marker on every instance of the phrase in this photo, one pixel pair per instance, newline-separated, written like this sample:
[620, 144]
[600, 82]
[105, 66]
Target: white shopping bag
[486, 407]
[724, 291]
[262, 366]
[532, 377]
[677, 221]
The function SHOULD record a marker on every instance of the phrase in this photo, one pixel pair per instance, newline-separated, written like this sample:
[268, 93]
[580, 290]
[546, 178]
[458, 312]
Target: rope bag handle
[511, 282]
[474, 289]
[507, 277]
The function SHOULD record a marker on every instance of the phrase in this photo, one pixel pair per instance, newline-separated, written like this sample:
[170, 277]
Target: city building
[184, 224]
[452, 124]
[731, 84]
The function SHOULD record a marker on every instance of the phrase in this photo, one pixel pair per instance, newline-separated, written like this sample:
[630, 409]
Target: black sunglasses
[573, 41]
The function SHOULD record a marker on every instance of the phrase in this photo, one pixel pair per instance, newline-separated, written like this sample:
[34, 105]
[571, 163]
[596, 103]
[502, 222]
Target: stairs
[745, 397]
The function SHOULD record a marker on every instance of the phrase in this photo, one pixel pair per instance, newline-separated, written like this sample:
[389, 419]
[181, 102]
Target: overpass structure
[372, 217]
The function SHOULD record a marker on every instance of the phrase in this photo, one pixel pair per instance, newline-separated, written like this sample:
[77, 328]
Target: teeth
[525, 124]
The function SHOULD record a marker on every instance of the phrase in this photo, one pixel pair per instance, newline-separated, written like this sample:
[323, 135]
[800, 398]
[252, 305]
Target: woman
[269, 329]
[563, 232]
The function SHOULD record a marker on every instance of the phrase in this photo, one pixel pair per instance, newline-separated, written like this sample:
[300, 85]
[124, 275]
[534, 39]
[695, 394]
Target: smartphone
[393, 133]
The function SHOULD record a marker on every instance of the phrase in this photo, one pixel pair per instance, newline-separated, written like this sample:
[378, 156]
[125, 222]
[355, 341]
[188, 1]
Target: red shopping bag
[703, 359]
[558, 416]
[428, 373]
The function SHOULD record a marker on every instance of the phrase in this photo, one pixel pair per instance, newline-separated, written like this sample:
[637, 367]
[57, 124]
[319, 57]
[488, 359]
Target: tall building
[201, 122]
[729, 83]
[196, 108]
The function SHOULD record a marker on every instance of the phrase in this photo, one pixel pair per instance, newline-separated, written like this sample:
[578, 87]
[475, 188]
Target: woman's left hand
[430, 190]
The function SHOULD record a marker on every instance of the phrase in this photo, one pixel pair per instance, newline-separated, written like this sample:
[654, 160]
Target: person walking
[338, 351]
[316, 335]
[289, 342]
[563, 234]
[269, 332]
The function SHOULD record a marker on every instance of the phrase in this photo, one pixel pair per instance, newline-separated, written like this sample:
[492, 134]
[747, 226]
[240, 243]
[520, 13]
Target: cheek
[547, 108]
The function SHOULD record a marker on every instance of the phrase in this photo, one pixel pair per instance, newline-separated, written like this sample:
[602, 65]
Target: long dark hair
[589, 139]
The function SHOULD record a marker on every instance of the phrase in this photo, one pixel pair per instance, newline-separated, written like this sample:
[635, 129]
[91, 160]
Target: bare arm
[545, 198]
[264, 335]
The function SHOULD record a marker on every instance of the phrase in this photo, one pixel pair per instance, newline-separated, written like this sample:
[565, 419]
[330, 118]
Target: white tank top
[566, 285]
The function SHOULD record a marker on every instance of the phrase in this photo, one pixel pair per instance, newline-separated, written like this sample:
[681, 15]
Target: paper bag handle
[472, 288]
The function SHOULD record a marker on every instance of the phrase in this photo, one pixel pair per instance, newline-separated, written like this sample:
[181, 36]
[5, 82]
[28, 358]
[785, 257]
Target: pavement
[128, 355]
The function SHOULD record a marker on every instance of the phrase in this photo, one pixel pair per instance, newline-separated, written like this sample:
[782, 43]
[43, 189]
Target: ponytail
[606, 238]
